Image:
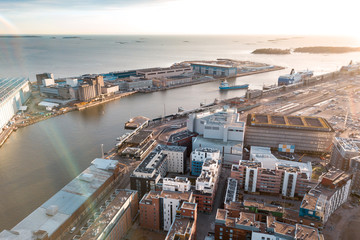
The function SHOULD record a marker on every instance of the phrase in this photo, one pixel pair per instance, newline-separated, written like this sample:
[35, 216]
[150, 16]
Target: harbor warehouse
[307, 134]
[214, 69]
[13, 94]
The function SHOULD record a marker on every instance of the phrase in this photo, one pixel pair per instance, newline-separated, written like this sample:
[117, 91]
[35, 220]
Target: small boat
[180, 109]
[224, 85]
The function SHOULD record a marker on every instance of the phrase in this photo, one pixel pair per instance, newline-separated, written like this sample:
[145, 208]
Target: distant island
[315, 50]
[70, 37]
[19, 36]
[271, 51]
[322, 49]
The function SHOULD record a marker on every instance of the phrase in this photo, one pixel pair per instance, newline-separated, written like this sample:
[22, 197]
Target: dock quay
[135, 122]
[101, 101]
[5, 135]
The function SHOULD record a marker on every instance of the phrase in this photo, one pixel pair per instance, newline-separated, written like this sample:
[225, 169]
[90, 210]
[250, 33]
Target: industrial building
[322, 200]
[134, 84]
[61, 212]
[220, 129]
[114, 219]
[151, 73]
[158, 209]
[90, 88]
[206, 185]
[13, 94]
[214, 69]
[307, 134]
[199, 156]
[246, 226]
[184, 225]
[343, 150]
[267, 174]
[155, 166]
[171, 81]
[40, 77]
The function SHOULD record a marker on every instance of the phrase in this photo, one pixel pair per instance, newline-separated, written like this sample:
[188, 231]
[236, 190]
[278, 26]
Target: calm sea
[39, 160]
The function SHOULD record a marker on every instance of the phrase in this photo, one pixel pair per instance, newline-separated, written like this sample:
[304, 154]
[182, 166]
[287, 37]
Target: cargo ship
[224, 85]
[294, 77]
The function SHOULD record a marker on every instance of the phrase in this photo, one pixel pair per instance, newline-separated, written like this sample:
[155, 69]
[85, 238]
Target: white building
[200, 155]
[220, 129]
[171, 203]
[13, 94]
[208, 178]
[179, 184]
[222, 124]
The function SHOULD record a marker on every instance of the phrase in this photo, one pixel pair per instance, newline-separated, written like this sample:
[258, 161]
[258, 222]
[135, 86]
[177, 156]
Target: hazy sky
[179, 17]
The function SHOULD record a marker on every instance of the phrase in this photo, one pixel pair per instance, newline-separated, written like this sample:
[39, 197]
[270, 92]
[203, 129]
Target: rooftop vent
[52, 210]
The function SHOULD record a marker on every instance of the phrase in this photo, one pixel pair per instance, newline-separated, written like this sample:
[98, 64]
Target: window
[221, 229]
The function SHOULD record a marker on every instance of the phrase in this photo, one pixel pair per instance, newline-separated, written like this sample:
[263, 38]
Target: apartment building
[267, 174]
[322, 200]
[343, 150]
[245, 226]
[206, 185]
[155, 166]
[198, 157]
[159, 209]
[184, 225]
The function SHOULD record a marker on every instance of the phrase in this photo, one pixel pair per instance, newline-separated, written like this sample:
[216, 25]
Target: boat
[294, 77]
[224, 85]
[180, 109]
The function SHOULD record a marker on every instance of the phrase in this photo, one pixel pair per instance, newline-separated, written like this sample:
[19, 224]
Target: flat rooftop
[207, 150]
[150, 164]
[172, 148]
[309, 202]
[180, 228]
[158, 69]
[139, 137]
[231, 190]
[181, 136]
[68, 200]
[188, 205]
[279, 227]
[262, 206]
[106, 217]
[250, 164]
[291, 122]
[349, 144]
[184, 196]
[304, 232]
[269, 161]
[221, 214]
[212, 65]
[10, 85]
[247, 219]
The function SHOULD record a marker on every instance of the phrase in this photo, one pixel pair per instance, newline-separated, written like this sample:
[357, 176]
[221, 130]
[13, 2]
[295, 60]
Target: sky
[286, 17]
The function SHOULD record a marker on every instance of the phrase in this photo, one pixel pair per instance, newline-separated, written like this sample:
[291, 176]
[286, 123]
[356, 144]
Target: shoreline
[36, 119]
